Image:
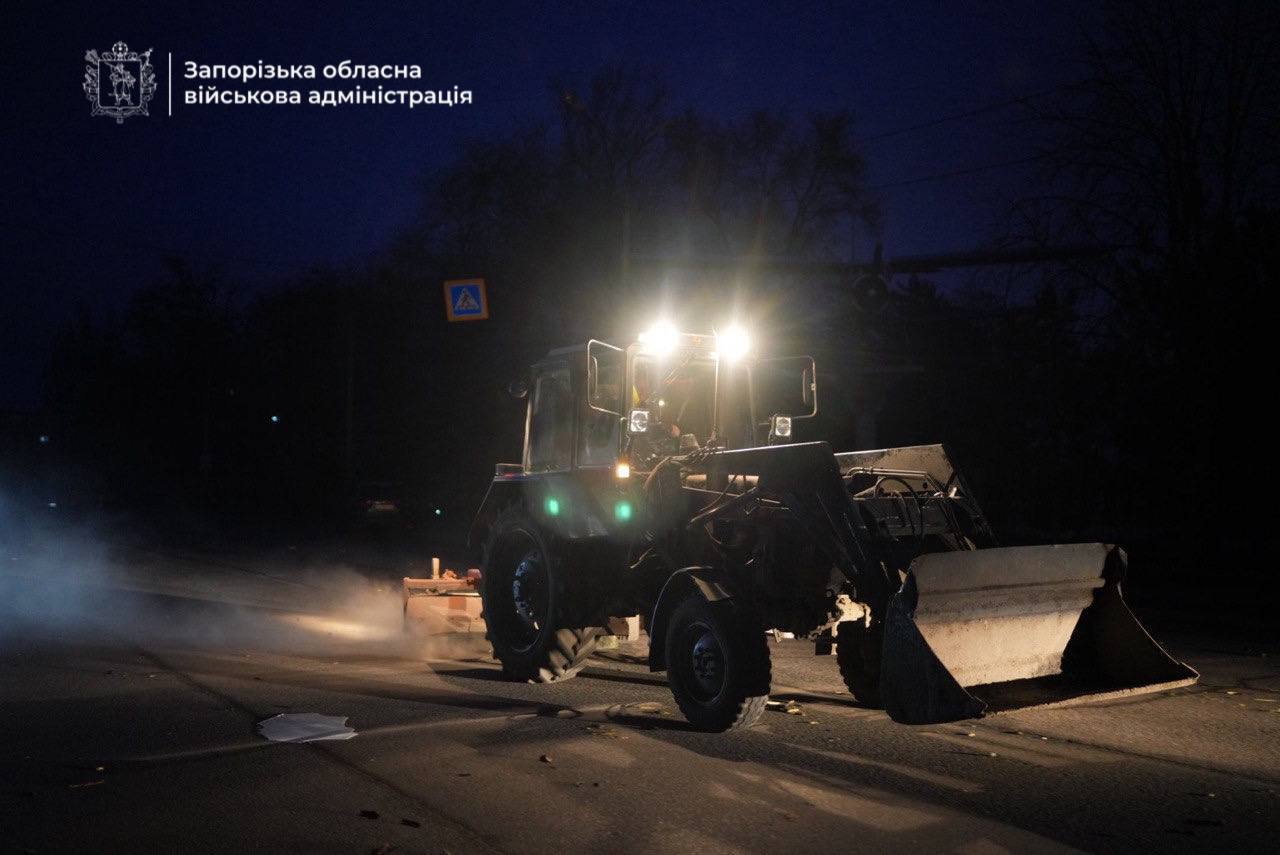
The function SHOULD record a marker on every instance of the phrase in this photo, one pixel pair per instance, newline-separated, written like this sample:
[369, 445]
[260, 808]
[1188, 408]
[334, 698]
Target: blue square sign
[465, 300]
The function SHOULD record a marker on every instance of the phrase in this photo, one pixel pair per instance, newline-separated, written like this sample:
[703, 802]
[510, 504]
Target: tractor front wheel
[858, 650]
[717, 663]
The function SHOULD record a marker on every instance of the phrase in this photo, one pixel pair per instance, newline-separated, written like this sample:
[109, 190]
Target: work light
[660, 339]
[733, 343]
[779, 429]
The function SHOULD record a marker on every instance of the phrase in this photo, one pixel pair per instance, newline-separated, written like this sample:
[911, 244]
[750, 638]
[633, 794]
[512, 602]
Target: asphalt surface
[131, 686]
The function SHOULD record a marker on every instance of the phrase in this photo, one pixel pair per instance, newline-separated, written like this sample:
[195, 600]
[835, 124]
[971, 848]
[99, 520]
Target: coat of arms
[119, 82]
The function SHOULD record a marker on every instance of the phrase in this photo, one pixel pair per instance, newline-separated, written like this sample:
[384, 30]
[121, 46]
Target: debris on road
[788, 707]
[545, 758]
[305, 727]
[412, 823]
[369, 814]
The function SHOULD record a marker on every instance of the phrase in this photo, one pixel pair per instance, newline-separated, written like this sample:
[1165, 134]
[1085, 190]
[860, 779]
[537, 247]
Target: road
[131, 684]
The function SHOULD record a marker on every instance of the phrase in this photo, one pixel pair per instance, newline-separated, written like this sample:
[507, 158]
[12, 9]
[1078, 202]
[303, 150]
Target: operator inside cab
[681, 401]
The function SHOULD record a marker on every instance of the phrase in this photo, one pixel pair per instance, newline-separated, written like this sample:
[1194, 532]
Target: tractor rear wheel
[858, 655]
[717, 664]
[524, 590]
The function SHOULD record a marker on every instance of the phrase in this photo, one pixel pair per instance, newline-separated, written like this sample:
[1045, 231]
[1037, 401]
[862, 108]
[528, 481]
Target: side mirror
[786, 385]
[518, 389]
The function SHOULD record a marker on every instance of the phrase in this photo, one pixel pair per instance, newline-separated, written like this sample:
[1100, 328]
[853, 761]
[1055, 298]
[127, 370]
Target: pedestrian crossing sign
[465, 300]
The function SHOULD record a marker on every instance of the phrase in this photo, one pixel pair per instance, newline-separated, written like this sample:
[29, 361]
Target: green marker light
[553, 506]
[622, 511]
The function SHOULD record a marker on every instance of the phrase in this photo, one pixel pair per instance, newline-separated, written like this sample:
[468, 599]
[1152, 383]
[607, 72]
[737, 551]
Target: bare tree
[1169, 150]
[767, 186]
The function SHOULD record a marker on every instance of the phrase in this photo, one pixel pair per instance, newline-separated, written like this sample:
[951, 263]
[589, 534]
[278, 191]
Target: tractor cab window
[600, 436]
[679, 393]
[550, 444]
[736, 428]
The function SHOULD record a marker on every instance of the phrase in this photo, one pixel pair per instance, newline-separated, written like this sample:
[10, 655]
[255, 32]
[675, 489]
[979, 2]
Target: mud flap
[1000, 629]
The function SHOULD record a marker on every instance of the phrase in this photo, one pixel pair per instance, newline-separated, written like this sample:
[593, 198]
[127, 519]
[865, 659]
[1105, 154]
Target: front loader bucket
[992, 630]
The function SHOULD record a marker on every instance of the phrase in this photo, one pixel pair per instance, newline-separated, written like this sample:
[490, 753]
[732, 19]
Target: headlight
[639, 421]
[733, 343]
[780, 428]
[660, 339]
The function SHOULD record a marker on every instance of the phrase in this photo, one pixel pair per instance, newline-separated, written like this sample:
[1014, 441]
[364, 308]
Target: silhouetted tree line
[1105, 397]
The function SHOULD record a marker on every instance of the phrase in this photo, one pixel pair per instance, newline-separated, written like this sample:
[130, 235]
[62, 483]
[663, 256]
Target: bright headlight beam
[660, 339]
[733, 343]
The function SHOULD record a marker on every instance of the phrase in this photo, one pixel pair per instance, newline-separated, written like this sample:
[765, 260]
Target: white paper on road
[305, 727]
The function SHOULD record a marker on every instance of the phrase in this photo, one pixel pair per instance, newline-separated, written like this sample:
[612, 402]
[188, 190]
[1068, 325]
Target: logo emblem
[119, 82]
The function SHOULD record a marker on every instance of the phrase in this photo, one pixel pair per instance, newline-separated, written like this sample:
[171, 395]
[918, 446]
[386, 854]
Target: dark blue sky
[90, 206]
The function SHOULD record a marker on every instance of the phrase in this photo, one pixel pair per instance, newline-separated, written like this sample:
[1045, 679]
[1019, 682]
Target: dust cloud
[103, 583]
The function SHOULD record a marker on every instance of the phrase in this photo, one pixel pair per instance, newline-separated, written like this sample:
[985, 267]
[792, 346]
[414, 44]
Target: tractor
[663, 480]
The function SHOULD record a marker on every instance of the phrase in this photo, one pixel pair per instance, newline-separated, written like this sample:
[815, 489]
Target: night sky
[265, 191]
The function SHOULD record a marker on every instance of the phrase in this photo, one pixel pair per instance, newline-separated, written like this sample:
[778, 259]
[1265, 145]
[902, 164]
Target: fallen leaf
[412, 823]
[545, 758]
[369, 814]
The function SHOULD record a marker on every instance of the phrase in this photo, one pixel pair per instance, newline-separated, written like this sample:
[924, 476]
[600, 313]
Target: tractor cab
[669, 393]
